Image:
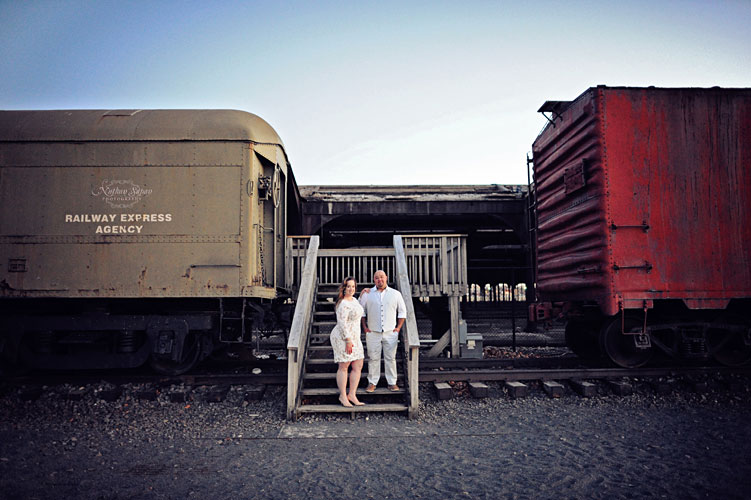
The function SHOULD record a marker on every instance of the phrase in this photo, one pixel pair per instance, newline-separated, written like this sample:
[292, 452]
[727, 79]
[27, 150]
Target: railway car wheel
[12, 368]
[581, 338]
[10, 363]
[622, 348]
[190, 355]
[729, 340]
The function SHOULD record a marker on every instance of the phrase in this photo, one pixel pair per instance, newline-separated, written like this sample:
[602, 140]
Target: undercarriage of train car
[669, 331]
[172, 336]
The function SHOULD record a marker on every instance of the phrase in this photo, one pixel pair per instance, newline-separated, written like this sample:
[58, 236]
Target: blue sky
[409, 92]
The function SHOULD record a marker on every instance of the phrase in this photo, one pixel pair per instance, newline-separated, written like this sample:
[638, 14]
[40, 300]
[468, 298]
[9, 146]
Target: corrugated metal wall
[569, 184]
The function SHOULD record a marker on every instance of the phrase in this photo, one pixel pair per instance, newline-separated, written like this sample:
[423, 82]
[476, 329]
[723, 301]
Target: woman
[345, 339]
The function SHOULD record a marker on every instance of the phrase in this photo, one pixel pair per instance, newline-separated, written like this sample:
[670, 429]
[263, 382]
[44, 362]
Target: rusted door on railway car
[679, 194]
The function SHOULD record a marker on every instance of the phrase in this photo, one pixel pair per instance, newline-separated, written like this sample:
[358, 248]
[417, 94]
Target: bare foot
[345, 402]
[355, 401]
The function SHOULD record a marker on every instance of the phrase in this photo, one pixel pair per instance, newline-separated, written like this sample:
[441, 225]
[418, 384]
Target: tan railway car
[139, 234]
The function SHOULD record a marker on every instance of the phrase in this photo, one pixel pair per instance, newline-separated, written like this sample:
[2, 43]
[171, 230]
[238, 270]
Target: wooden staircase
[311, 370]
[318, 391]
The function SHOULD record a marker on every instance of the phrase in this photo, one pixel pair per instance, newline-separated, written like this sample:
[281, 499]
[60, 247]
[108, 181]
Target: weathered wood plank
[443, 390]
[516, 389]
[298, 335]
[367, 408]
[333, 391]
[621, 387]
[479, 390]
[553, 388]
[410, 335]
[584, 388]
[455, 313]
[332, 376]
[440, 345]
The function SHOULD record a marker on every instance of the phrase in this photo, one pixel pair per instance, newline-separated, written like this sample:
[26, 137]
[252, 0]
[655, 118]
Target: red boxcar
[643, 221]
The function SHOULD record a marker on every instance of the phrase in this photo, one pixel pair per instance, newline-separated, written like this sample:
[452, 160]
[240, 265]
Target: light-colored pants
[386, 342]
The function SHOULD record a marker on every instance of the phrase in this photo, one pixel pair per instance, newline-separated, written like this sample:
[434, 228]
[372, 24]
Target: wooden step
[321, 342]
[333, 391]
[326, 334]
[332, 376]
[320, 361]
[337, 408]
[330, 361]
[320, 339]
[320, 348]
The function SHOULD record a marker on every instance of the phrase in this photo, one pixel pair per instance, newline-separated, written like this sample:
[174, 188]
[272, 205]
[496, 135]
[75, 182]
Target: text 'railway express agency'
[117, 223]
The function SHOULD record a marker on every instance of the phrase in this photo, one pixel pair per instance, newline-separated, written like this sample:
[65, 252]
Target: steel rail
[446, 370]
[459, 363]
[571, 373]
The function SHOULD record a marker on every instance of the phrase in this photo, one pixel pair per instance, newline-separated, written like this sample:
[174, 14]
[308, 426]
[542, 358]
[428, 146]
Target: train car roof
[421, 193]
[136, 125]
[555, 108]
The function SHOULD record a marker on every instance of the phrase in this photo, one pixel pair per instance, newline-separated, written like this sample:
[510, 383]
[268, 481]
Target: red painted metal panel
[665, 209]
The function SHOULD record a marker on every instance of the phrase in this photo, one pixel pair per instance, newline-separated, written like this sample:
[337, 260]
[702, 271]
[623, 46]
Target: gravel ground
[676, 445]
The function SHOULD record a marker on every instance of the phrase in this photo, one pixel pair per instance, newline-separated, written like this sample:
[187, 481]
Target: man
[384, 317]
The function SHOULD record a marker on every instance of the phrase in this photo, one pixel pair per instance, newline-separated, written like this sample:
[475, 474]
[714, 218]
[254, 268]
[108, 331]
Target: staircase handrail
[410, 335]
[301, 325]
[295, 250]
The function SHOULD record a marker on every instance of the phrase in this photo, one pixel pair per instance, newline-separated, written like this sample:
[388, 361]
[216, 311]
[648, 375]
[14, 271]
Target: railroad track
[572, 373]
[273, 372]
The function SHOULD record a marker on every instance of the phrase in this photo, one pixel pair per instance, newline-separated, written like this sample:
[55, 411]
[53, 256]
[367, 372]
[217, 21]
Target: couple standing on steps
[382, 312]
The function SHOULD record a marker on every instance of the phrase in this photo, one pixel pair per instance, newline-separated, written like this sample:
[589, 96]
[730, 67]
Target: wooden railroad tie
[662, 386]
[621, 387]
[478, 389]
[516, 389]
[586, 389]
[254, 393]
[443, 390]
[553, 388]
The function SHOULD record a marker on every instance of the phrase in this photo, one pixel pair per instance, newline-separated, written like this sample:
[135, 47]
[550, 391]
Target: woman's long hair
[342, 287]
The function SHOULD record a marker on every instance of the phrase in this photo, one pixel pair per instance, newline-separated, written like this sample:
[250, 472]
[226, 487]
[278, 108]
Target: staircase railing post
[410, 335]
[301, 321]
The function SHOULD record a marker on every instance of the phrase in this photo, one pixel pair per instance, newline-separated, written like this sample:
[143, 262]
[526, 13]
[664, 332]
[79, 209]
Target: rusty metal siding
[180, 218]
[569, 179]
[679, 161]
[667, 209]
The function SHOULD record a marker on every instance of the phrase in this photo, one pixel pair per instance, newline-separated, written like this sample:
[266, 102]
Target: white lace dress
[348, 316]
